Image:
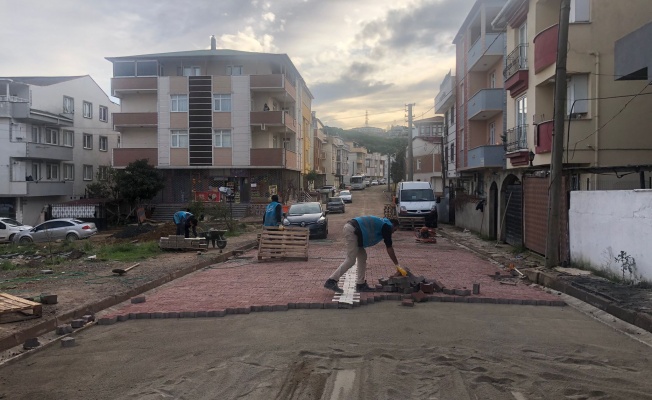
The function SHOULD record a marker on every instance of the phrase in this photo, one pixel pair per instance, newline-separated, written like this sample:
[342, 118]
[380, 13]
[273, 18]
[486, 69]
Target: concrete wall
[604, 223]
[468, 217]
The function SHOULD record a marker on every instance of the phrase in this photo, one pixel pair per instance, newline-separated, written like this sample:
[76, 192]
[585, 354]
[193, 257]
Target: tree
[104, 187]
[138, 182]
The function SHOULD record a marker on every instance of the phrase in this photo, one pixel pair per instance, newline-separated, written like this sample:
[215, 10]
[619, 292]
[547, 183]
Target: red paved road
[242, 285]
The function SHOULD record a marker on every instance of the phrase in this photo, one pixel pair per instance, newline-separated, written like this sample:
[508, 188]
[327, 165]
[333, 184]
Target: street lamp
[531, 157]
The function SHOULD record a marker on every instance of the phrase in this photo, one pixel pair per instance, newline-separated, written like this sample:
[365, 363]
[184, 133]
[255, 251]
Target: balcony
[516, 71]
[490, 156]
[485, 104]
[124, 156]
[124, 86]
[486, 52]
[44, 151]
[516, 139]
[273, 158]
[543, 143]
[273, 118]
[446, 97]
[123, 121]
[49, 188]
[273, 83]
[545, 48]
[13, 107]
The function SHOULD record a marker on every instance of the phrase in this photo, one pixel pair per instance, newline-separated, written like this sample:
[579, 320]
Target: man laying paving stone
[360, 233]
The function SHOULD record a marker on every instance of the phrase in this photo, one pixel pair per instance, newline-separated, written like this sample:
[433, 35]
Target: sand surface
[381, 351]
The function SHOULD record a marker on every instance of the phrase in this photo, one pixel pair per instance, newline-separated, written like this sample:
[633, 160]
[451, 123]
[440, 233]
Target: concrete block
[543, 302]
[201, 314]
[172, 314]
[530, 302]
[107, 321]
[88, 318]
[64, 329]
[383, 281]
[502, 301]
[515, 301]
[158, 315]
[460, 299]
[427, 288]
[280, 307]
[291, 306]
[123, 317]
[474, 300]
[138, 299]
[31, 343]
[476, 288]
[448, 291]
[408, 303]
[143, 315]
[303, 306]
[217, 313]
[447, 299]
[68, 341]
[558, 303]
[187, 314]
[269, 308]
[331, 305]
[243, 310]
[419, 296]
[316, 305]
[77, 323]
[462, 292]
[231, 311]
[47, 298]
[434, 298]
[488, 300]
[132, 315]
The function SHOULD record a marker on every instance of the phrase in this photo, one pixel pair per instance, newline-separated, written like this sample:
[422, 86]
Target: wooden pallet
[389, 211]
[286, 243]
[12, 306]
[412, 223]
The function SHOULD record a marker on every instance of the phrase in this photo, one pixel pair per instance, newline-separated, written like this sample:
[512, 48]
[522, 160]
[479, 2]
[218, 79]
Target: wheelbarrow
[215, 237]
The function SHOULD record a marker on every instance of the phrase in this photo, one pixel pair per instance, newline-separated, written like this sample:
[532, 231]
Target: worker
[273, 213]
[184, 220]
[360, 233]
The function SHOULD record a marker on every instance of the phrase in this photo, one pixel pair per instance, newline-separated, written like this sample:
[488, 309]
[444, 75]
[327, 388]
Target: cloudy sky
[356, 56]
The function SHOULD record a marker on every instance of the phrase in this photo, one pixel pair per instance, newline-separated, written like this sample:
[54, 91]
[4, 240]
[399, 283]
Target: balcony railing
[48, 152]
[273, 82]
[485, 104]
[273, 118]
[489, 50]
[121, 86]
[544, 137]
[516, 138]
[545, 48]
[486, 157]
[49, 188]
[516, 60]
[280, 158]
[123, 156]
[141, 119]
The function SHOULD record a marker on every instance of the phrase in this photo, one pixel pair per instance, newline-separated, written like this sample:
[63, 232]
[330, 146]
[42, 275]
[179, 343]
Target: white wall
[604, 223]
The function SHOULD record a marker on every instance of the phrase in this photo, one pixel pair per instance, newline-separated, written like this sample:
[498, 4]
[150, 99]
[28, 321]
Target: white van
[415, 199]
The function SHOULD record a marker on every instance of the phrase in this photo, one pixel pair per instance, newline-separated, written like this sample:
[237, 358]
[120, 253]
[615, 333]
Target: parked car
[309, 215]
[57, 229]
[329, 189]
[374, 183]
[335, 204]
[367, 182]
[383, 181]
[346, 196]
[10, 227]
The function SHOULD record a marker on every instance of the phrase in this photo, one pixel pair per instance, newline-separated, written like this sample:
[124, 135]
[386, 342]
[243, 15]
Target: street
[434, 350]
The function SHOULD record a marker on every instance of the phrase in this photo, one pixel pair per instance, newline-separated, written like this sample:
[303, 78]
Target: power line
[360, 116]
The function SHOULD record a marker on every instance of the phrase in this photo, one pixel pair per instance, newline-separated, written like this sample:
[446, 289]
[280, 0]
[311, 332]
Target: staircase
[165, 212]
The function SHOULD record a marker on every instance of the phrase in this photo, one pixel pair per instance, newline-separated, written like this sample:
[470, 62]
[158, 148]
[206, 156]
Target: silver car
[57, 229]
[9, 227]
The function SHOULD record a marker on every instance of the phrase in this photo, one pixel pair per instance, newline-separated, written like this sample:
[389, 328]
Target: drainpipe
[596, 117]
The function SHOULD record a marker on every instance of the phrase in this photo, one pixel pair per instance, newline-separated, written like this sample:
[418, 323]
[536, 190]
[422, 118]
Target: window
[452, 157]
[179, 139]
[222, 138]
[492, 80]
[88, 172]
[68, 105]
[418, 164]
[36, 134]
[36, 171]
[87, 109]
[577, 92]
[68, 138]
[521, 111]
[580, 11]
[221, 102]
[52, 172]
[51, 136]
[68, 172]
[135, 68]
[146, 68]
[103, 173]
[104, 113]
[234, 70]
[191, 71]
[492, 133]
[104, 143]
[452, 114]
[179, 103]
[88, 141]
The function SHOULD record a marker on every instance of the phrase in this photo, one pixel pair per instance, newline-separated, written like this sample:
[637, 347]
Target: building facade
[56, 137]
[212, 118]
[445, 104]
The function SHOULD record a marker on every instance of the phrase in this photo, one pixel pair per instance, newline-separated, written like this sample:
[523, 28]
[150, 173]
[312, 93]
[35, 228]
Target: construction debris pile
[417, 288]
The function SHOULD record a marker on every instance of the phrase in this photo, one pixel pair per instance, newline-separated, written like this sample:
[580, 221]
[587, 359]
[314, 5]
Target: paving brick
[201, 314]
[557, 303]
[88, 318]
[543, 302]
[515, 301]
[448, 291]
[280, 307]
[529, 302]
[408, 303]
[316, 305]
[476, 288]
[123, 317]
[172, 314]
[68, 341]
[77, 323]
[107, 321]
[427, 288]
[331, 305]
[474, 300]
[447, 299]
[64, 329]
[143, 315]
[420, 297]
[462, 292]
[31, 343]
[158, 315]
[138, 299]
[47, 298]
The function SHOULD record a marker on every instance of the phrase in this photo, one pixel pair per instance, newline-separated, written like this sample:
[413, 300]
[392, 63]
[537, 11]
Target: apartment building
[337, 155]
[603, 112]
[320, 140]
[445, 104]
[212, 118]
[427, 161]
[357, 158]
[373, 165]
[56, 137]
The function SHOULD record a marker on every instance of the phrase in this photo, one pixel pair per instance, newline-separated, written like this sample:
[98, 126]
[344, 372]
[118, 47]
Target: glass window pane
[146, 68]
[124, 68]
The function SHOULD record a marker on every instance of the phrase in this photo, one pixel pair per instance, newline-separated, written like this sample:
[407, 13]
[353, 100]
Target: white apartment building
[56, 137]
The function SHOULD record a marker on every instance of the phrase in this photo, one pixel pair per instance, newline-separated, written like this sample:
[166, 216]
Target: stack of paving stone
[408, 284]
[180, 242]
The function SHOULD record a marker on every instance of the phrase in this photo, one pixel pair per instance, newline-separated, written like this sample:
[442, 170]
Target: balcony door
[521, 121]
[522, 42]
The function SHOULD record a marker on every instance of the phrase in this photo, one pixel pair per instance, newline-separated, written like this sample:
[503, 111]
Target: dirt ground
[384, 351]
[81, 281]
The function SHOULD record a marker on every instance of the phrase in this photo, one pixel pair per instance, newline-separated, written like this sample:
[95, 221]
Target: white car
[374, 183]
[9, 228]
[346, 196]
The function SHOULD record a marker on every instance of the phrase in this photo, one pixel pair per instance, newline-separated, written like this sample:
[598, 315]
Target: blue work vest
[270, 214]
[181, 216]
[371, 228]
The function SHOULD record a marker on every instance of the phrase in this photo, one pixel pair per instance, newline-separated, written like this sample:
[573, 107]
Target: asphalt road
[379, 351]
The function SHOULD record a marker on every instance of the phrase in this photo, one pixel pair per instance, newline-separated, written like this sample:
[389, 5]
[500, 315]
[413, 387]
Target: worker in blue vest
[360, 233]
[273, 213]
[184, 220]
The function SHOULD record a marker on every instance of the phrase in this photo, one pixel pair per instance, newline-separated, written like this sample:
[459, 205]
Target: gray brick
[64, 329]
[187, 314]
[316, 305]
[143, 315]
[543, 302]
[77, 323]
[173, 314]
[201, 314]
[515, 301]
[31, 343]
[280, 307]
[107, 321]
[68, 341]
[123, 317]
[332, 305]
[530, 302]
[138, 299]
[158, 315]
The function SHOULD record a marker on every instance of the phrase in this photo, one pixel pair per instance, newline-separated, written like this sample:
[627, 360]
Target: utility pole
[410, 162]
[556, 164]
